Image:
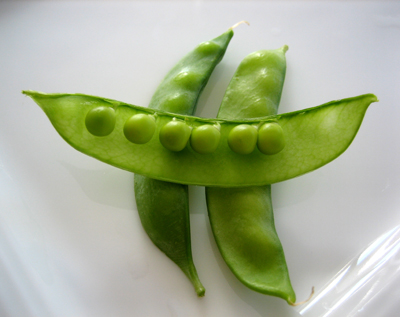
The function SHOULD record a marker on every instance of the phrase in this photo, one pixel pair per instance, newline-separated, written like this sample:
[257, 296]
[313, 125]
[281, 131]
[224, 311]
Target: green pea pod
[182, 86]
[313, 136]
[242, 219]
[163, 206]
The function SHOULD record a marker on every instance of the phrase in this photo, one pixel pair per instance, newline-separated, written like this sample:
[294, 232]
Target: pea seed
[175, 135]
[205, 139]
[178, 102]
[242, 139]
[188, 80]
[270, 139]
[100, 121]
[140, 128]
[207, 48]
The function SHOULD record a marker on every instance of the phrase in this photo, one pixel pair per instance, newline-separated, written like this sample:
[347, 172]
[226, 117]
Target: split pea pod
[313, 137]
[163, 206]
[242, 219]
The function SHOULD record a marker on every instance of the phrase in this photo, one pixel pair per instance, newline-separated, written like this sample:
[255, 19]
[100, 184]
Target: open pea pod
[313, 137]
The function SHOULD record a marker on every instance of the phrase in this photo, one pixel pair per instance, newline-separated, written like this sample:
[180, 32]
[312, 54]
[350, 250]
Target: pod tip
[304, 301]
[200, 291]
[284, 48]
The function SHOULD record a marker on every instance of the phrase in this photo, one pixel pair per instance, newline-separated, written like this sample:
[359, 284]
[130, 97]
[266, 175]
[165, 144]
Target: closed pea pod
[181, 88]
[242, 219]
[252, 91]
[163, 207]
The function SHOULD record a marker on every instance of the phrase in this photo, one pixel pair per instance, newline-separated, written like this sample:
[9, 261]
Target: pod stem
[241, 22]
[284, 48]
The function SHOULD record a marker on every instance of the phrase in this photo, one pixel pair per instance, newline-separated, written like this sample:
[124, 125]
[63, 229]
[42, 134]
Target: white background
[71, 242]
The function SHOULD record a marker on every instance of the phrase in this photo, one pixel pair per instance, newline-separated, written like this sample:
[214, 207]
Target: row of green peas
[175, 135]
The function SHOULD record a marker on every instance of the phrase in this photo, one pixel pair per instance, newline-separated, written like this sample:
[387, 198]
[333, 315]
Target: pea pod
[314, 137]
[163, 206]
[242, 219]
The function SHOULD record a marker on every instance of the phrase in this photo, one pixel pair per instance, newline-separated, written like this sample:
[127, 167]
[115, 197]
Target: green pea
[270, 139]
[205, 139]
[242, 139]
[140, 128]
[175, 135]
[100, 121]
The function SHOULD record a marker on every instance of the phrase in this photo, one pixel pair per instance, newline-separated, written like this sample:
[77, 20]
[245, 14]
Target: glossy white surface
[71, 243]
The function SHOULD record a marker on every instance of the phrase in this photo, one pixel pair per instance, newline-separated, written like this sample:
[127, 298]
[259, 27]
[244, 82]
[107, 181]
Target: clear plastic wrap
[368, 278]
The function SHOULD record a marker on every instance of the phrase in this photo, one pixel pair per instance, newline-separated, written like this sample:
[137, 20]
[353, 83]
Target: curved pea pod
[255, 89]
[242, 221]
[314, 137]
[163, 207]
[181, 88]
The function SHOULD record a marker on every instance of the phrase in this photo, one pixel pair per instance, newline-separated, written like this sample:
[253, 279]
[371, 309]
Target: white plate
[71, 243]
